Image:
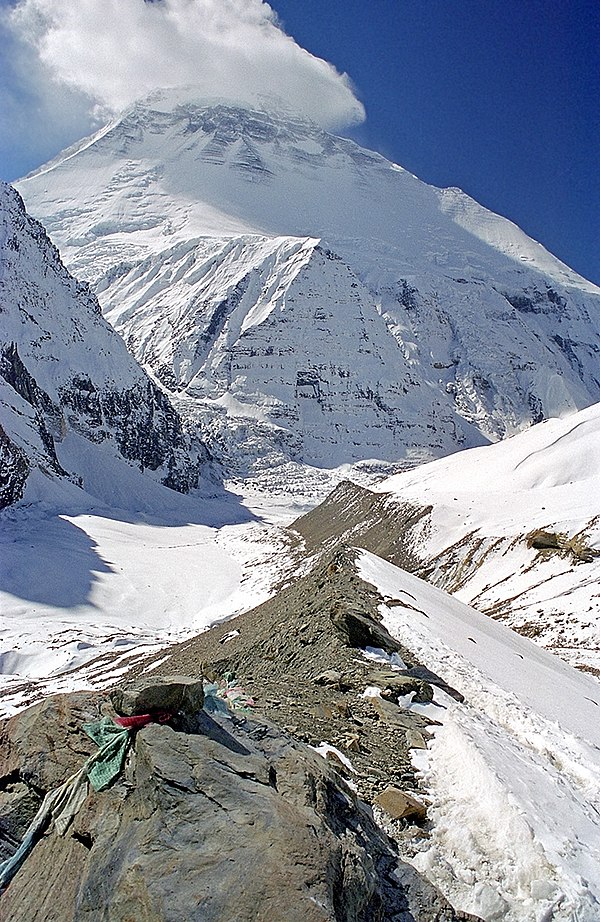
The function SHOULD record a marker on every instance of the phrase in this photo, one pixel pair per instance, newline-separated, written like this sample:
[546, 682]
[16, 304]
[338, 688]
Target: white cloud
[38, 117]
[117, 50]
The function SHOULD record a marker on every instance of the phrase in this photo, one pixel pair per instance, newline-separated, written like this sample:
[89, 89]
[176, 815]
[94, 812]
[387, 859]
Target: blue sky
[498, 97]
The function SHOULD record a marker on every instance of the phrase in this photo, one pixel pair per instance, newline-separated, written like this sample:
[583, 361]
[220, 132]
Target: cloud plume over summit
[114, 51]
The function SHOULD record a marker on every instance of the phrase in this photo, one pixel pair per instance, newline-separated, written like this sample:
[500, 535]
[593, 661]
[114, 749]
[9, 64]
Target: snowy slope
[236, 250]
[513, 773]
[70, 393]
[479, 541]
[98, 558]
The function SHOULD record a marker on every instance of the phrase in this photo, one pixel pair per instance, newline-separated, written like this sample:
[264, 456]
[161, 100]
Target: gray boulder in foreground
[230, 821]
[149, 695]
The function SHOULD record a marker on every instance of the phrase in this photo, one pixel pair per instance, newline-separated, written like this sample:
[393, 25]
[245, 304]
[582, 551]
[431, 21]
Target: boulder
[331, 677]
[45, 744]
[422, 672]
[400, 805]
[352, 742]
[152, 694]
[356, 628]
[415, 739]
[391, 714]
[396, 684]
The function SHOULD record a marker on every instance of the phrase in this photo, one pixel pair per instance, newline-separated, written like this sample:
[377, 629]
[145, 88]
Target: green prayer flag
[112, 742]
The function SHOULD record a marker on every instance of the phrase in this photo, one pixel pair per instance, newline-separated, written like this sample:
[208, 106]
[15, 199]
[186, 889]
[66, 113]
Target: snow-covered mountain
[304, 300]
[74, 404]
[283, 281]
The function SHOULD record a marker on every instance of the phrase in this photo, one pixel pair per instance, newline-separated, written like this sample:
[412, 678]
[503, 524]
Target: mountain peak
[178, 161]
[177, 98]
[219, 131]
[198, 222]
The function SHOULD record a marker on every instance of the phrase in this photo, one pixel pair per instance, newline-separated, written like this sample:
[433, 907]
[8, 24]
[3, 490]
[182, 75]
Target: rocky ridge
[301, 658]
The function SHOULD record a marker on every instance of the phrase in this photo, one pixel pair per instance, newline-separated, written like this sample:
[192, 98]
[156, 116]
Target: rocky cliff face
[14, 468]
[67, 380]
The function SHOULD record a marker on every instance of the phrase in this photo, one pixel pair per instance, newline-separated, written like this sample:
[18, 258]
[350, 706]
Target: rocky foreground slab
[215, 817]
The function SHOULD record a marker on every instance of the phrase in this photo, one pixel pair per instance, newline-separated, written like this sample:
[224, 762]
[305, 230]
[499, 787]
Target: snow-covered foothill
[514, 530]
[513, 772]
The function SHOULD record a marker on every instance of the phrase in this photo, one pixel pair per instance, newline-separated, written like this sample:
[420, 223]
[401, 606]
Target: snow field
[76, 587]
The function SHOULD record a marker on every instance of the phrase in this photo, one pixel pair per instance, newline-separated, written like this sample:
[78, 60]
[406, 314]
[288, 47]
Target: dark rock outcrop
[357, 629]
[230, 820]
[14, 470]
